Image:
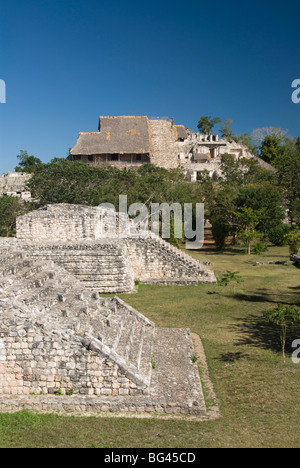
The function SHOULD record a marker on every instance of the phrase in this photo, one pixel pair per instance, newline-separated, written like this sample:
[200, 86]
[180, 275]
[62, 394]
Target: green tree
[283, 317]
[176, 241]
[287, 166]
[269, 149]
[244, 171]
[10, 208]
[27, 163]
[221, 208]
[277, 235]
[295, 211]
[244, 138]
[207, 123]
[264, 197]
[248, 220]
[63, 181]
[231, 170]
[226, 130]
[293, 241]
[230, 277]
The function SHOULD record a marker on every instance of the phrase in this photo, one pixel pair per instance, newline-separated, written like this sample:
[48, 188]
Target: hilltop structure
[130, 141]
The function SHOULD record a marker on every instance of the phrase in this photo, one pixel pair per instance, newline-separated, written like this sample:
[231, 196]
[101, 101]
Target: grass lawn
[258, 394]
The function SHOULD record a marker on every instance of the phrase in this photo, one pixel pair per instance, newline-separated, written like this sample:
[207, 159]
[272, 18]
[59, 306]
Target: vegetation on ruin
[10, 208]
[207, 123]
[246, 188]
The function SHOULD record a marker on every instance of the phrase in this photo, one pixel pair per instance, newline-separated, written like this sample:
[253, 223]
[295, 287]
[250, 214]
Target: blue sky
[67, 62]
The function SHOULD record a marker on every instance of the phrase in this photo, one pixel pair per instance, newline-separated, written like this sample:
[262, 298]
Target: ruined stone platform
[175, 387]
[98, 354]
[104, 250]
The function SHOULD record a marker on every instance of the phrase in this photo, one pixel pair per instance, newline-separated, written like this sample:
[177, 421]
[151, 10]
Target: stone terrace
[81, 239]
[57, 337]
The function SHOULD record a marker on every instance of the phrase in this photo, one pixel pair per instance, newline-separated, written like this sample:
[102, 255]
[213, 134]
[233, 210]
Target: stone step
[129, 335]
[117, 329]
[179, 253]
[38, 281]
[145, 356]
[126, 336]
[109, 288]
[136, 340]
[50, 285]
[172, 282]
[44, 296]
[7, 258]
[21, 269]
[136, 347]
[176, 376]
[11, 267]
[29, 270]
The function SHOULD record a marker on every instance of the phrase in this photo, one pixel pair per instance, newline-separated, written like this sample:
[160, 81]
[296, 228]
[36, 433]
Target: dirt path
[213, 410]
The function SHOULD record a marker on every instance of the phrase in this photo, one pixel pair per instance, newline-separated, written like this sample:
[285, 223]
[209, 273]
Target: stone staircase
[156, 261]
[190, 261]
[56, 335]
[100, 266]
[57, 301]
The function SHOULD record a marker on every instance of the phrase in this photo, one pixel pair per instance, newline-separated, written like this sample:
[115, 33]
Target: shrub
[278, 234]
[260, 248]
[293, 240]
[283, 317]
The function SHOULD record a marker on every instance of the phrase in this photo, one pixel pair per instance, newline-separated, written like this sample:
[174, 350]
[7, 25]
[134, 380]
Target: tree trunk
[283, 341]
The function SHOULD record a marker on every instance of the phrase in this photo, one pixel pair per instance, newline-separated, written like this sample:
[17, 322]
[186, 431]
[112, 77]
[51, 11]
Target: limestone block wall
[60, 223]
[213, 166]
[42, 365]
[67, 235]
[153, 258]
[112, 266]
[103, 266]
[70, 223]
[163, 144]
[57, 335]
[14, 183]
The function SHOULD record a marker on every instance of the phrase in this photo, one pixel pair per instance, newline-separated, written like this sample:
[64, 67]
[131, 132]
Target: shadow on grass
[232, 357]
[260, 296]
[256, 331]
[207, 249]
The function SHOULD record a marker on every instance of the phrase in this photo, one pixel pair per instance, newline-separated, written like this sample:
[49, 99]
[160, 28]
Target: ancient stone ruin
[130, 141]
[59, 338]
[79, 238]
[63, 347]
[14, 184]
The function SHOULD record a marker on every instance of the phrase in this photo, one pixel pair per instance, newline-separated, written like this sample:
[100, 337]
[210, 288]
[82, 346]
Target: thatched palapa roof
[180, 132]
[123, 135]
